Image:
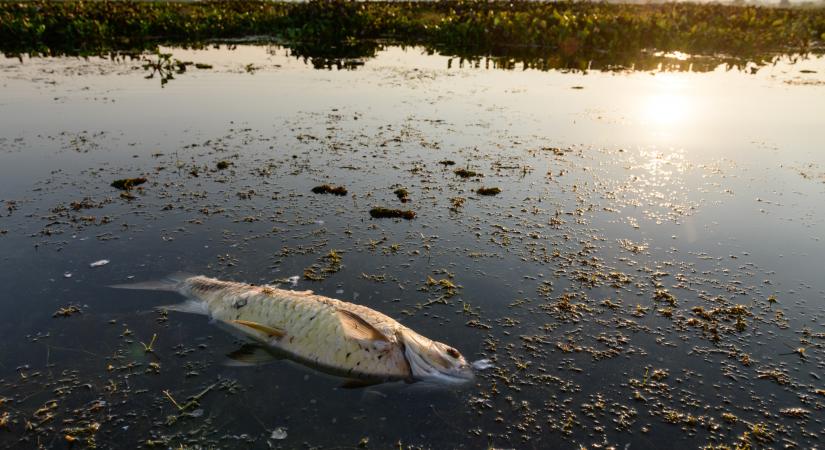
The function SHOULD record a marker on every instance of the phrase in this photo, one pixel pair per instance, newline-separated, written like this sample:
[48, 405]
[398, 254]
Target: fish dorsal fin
[250, 355]
[357, 328]
[269, 331]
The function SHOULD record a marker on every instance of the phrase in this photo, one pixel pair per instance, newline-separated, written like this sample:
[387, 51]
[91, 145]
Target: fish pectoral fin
[250, 355]
[358, 384]
[356, 327]
[269, 331]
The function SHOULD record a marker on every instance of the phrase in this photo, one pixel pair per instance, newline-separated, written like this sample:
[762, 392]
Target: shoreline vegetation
[542, 35]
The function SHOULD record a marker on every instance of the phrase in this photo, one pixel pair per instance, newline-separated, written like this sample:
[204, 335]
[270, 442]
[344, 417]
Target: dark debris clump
[329, 189]
[384, 213]
[128, 183]
[402, 194]
[488, 191]
[467, 173]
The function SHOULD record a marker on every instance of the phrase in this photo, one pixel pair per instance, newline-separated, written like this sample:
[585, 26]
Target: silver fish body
[337, 337]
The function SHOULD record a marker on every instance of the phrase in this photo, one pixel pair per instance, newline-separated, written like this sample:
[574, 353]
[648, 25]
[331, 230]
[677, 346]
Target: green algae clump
[387, 213]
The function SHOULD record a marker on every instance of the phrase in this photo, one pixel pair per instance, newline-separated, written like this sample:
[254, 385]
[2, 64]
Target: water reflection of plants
[165, 67]
[348, 54]
[338, 33]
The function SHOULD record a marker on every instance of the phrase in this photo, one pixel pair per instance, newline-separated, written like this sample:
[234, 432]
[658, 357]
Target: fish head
[434, 361]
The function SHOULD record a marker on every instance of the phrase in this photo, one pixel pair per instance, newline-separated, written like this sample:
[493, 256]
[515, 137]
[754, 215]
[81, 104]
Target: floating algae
[387, 213]
[329, 189]
[488, 191]
[330, 263]
[67, 311]
[402, 194]
[128, 183]
[467, 173]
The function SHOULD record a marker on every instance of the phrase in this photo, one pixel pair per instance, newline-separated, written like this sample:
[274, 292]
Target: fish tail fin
[189, 306]
[175, 282]
[171, 283]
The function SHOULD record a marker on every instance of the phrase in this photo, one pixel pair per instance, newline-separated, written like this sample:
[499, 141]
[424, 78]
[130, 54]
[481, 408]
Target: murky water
[650, 274]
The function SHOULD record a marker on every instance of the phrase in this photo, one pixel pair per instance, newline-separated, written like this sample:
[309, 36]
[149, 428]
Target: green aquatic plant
[536, 34]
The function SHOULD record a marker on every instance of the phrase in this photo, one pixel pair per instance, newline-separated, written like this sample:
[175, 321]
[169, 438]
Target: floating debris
[467, 173]
[798, 413]
[330, 263]
[456, 203]
[383, 213]
[402, 194]
[127, 184]
[99, 263]
[223, 164]
[278, 434]
[329, 189]
[67, 311]
[445, 285]
[488, 191]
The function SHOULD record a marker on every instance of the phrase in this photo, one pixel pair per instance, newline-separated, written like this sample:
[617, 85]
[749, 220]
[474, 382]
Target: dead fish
[334, 336]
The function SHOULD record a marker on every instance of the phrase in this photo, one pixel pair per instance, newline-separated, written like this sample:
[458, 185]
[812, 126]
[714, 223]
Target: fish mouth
[428, 363]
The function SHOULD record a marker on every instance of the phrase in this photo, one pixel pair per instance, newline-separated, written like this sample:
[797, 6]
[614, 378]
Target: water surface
[650, 274]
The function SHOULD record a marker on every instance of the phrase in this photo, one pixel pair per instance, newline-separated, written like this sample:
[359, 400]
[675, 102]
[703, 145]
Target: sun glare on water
[669, 104]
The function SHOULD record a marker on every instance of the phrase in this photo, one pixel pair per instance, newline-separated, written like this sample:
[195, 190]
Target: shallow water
[644, 278]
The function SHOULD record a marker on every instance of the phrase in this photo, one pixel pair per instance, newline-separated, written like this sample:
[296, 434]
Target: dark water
[650, 276]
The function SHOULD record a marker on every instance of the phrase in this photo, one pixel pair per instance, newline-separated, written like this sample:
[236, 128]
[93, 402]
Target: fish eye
[453, 352]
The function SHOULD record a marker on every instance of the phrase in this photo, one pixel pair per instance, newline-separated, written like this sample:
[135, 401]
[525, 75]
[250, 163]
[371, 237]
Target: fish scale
[331, 335]
[313, 330]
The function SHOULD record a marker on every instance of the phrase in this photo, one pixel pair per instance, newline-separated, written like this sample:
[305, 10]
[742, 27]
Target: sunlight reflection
[669, 104]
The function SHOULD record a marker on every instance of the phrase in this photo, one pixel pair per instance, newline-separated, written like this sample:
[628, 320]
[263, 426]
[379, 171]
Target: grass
[564, 32]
